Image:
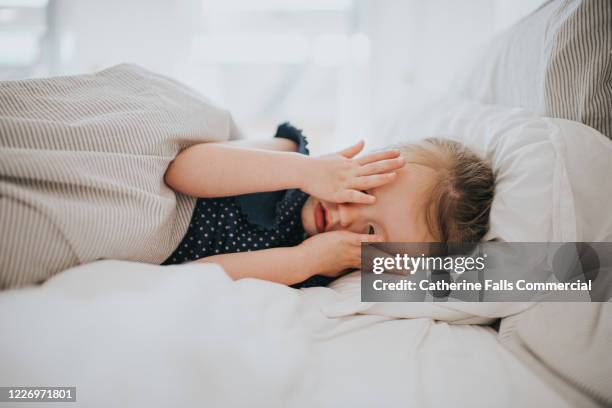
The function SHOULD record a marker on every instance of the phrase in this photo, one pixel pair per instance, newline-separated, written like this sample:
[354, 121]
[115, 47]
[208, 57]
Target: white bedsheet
[130, 334]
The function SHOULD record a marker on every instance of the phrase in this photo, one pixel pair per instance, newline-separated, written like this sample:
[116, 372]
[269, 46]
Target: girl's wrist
[301, 171]
[305, 267]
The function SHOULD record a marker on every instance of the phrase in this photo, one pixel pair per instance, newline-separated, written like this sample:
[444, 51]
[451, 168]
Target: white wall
[423, 43]
[412, 43]
[95, 34]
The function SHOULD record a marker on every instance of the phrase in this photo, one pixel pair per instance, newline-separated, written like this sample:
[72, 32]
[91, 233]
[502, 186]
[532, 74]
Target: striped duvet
[82, 160]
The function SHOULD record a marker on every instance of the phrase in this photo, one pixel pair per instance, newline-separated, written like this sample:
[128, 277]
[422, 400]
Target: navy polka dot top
[247, 222]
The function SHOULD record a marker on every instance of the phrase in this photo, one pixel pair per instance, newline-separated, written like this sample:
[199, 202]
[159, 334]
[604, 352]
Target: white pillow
[588, 165]
[552, 174]
[552, 183]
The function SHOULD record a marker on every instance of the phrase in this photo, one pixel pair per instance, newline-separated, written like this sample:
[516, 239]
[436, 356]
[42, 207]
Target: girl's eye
[371, 230]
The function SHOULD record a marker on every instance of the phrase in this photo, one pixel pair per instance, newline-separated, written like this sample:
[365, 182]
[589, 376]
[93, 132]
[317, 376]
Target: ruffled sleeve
[261, 208]
[287, 131]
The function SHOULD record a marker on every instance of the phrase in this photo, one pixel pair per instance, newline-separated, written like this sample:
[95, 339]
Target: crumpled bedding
[132, 334]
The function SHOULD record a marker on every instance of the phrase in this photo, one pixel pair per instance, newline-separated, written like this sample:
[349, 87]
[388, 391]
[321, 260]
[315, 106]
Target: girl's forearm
[282, 265]
[225, 169]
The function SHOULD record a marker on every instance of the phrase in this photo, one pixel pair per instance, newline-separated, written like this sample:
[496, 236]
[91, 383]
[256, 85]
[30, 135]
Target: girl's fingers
[358, 197]
[381, 166]
[352, 151]
[377, 156]
[376, 180]
[370, 238]
[359, 238]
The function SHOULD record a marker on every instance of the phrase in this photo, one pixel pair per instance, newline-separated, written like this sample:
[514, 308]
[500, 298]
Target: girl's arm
[228, 169]
[328, 254]
[281, 265]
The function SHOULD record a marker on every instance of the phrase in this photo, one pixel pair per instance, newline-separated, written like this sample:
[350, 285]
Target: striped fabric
[82, 161]
[556, 62]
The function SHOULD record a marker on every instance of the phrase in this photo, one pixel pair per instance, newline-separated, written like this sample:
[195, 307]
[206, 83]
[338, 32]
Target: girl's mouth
[319, 216]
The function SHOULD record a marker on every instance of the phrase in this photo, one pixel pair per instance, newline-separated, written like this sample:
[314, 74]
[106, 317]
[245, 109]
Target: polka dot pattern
[218, 226]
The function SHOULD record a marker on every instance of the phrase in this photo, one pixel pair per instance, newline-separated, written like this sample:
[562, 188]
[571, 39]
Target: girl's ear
[352, 151]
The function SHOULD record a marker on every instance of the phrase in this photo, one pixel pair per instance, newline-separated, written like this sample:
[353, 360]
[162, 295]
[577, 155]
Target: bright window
[270, 61]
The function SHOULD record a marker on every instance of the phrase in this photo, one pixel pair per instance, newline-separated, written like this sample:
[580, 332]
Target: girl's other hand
[341, 178]
[333, 253]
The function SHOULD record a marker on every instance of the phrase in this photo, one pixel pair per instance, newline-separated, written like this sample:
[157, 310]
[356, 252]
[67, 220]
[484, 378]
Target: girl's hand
[332, 253]
[339, 178]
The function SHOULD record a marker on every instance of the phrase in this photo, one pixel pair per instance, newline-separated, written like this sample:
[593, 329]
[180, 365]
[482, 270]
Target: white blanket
[131, 334]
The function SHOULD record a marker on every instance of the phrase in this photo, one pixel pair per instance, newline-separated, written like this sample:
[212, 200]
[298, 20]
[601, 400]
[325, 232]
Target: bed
[127, 332]
[131, 334]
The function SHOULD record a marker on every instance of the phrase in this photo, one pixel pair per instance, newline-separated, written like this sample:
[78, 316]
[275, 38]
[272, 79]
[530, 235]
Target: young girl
[268, 210]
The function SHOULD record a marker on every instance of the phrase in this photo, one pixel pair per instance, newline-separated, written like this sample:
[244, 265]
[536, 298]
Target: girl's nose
[347, 214]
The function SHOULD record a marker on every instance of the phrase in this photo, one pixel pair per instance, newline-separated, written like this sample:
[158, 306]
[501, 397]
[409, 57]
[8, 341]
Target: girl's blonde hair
[458, 202]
